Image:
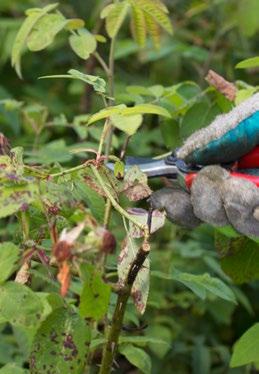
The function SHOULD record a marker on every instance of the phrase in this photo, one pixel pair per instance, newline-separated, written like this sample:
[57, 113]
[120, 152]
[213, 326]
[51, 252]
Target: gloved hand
[215, 197]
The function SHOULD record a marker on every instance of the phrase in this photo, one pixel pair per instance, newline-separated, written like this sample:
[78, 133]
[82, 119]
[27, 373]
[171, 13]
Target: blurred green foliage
[188, 326]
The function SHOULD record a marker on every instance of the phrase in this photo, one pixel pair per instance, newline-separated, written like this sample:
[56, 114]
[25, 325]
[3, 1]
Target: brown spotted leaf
[140, 287]
[136, 184]
[61, 344]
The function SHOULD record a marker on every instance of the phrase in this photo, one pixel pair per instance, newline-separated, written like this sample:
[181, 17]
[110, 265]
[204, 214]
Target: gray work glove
[216, 198]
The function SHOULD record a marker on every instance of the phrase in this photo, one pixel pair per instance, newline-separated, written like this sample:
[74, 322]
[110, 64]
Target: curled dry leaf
[141, 215]
[136, 184]
[225, 87]
[140, 288]
[64, 278]
[23, 274]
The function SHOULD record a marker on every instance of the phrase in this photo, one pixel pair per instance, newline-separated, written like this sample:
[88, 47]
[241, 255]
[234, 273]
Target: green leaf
[13, 369]
[129, 111]
[95, 296]
[45, 31]
[138, 25]
[248, 63]
[247, 17]
[128, 124]
[20, 306]
[154, 9]
[83, 43]
[115, 17]
[194, 119]
[9, 255]
[75, 24]
[241, 260]
[61, 342]
[119, 169]
[98, 83]
[55, 151]
[246, 349]
[153, 29]
[201, 284]
[22, 36]
[137, 357]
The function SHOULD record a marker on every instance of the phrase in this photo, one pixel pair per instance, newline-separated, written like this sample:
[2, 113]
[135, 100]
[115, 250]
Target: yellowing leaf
[45, 31]
[153, 30]
[22, 35]
[83, 43]
[115, 18]
[75, 24]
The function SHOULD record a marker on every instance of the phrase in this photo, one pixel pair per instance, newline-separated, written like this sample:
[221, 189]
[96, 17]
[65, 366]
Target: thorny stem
[111, 345]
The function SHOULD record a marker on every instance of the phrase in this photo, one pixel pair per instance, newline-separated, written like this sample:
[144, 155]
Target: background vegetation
[203, 283]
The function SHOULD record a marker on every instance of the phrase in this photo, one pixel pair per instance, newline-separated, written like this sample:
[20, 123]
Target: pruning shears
[172, 167]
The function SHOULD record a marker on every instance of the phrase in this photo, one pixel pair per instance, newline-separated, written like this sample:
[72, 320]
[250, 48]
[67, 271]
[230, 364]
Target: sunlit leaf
[128, 124]
[83, 43]
[45, 30]
[23, 33]
[246, 349]
[248, 63]
[114, 17]
[139, 25]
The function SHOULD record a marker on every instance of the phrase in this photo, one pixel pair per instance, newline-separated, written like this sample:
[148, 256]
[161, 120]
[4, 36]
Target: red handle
[189, 178]
[250, 160]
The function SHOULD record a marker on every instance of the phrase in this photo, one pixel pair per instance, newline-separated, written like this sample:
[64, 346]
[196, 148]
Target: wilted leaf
[135, 184]
[140, 287]
[83, 43]
[45, 31]
[141, 215]
[137, 357]
[23, 33]
[246, 349]
[95, 296]
[9, 255]
[61, 342]
[20, 306]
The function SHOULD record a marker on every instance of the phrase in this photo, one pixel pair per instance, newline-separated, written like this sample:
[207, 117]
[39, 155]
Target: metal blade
[151, 167]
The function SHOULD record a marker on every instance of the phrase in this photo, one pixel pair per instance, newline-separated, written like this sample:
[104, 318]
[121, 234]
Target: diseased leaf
[246, 349]
[137, 357]
[128, 124]
[140, 287]
[9, 255]
[141, 215]
[61, 342]
[21, 38]
[249, 63]
[45, 30]
[114, 17]
[136, 184]
[95, 296]
[83, 43]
